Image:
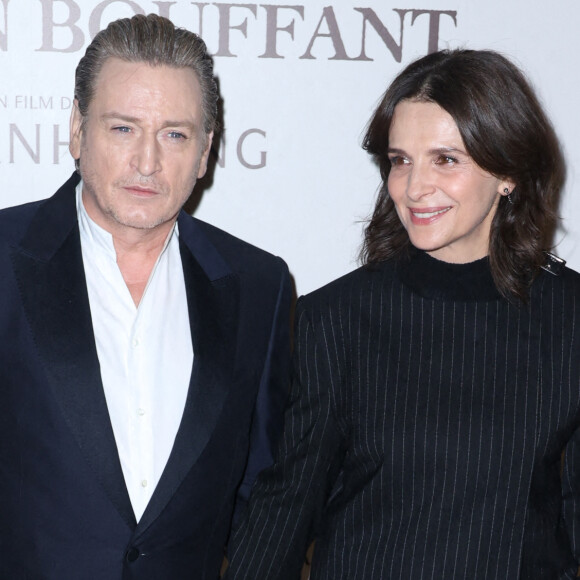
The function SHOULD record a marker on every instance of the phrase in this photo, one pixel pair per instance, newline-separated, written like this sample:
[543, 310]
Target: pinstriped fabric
[423, 437]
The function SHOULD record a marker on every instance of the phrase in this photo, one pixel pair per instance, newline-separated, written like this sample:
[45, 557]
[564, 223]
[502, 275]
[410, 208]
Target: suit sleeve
[268, 418]
[571, 498]
[289, 497]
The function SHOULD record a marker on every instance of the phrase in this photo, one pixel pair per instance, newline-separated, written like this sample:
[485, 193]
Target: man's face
[141, 146]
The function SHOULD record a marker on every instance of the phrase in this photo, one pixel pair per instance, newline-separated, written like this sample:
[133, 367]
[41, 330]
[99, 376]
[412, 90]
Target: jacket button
[132, 554]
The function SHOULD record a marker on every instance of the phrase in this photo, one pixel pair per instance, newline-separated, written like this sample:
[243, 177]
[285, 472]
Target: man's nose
[147, 156]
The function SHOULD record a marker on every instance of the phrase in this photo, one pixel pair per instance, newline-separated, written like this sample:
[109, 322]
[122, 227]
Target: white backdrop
[299, 83]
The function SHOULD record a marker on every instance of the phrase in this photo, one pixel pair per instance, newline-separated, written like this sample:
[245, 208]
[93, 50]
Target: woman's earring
[509, 195]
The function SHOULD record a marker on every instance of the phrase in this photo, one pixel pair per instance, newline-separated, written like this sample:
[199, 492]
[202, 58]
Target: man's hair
[153, 40]
[505, 131]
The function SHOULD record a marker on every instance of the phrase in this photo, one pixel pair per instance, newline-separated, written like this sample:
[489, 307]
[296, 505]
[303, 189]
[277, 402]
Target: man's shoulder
[225, 240]
[57, 211]
[14, 221]
[238, 253]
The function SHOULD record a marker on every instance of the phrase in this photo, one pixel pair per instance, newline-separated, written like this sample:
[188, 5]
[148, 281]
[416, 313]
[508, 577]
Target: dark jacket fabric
[65, 512]
[425, 432]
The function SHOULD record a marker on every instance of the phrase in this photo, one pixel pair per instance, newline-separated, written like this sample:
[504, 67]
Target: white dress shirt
[145, 354]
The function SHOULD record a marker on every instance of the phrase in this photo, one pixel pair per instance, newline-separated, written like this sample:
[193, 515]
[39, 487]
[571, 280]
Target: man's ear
[205, 156]
[75, 130]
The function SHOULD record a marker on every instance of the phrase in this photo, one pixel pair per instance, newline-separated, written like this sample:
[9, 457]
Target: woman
[437, 387]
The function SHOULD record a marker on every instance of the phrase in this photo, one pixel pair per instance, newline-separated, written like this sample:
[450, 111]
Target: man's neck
[137, 249]
[137, 253]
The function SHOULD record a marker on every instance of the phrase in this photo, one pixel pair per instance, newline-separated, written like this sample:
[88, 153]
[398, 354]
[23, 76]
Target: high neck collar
[437, 280]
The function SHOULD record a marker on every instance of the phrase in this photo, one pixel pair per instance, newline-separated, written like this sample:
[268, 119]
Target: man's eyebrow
[136, 120]
[122, 117]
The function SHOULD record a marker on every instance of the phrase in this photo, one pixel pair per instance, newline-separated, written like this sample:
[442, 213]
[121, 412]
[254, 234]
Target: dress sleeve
[571, 497]
[288, 498]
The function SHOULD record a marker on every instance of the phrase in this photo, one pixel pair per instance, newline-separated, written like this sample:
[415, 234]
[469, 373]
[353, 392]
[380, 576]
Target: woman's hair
[505, 131]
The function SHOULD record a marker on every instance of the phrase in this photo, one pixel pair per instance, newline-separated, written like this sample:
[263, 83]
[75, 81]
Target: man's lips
[427, 215]
[141, 191]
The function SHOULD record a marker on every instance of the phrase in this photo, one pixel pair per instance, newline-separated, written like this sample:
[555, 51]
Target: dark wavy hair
[154, 40]
[505, 131]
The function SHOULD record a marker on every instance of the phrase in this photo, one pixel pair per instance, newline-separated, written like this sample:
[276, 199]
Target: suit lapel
[213, 302]
[50, 273]
[49, 269]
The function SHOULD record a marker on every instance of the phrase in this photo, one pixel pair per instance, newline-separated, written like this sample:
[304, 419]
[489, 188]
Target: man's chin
[143, 222]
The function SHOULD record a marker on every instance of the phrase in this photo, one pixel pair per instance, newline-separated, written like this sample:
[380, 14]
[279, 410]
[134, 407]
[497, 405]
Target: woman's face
[445, 201]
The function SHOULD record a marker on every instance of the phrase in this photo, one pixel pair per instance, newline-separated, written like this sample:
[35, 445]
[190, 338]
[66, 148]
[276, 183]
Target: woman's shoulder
[556, 269]
[558, 279]
[356, 285]
[571, 276]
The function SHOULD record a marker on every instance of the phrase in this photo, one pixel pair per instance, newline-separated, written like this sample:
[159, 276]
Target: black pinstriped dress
[425, 431]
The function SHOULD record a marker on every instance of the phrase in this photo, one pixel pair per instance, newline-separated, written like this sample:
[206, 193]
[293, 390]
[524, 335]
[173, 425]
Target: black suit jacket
[64, 509]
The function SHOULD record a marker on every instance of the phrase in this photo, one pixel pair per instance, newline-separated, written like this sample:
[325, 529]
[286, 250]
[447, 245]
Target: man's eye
[176, 135]
[122, 129]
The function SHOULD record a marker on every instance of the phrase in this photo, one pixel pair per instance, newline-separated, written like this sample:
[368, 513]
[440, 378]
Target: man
[144, 353]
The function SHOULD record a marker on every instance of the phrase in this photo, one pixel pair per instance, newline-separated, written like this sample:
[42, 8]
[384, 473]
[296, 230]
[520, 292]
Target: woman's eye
[397, 161]
[446, 160]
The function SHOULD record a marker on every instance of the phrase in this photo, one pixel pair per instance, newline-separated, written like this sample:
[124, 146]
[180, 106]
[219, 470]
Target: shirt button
[140, 412]
[144, 483]
[135, 343]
